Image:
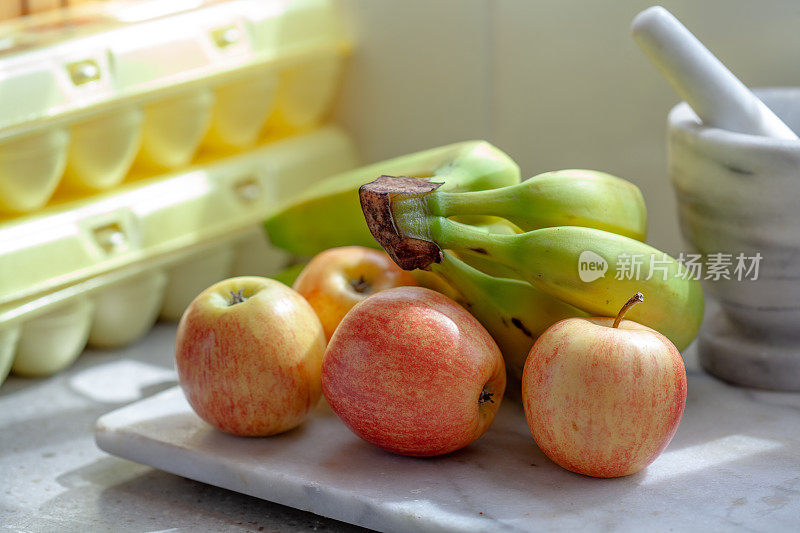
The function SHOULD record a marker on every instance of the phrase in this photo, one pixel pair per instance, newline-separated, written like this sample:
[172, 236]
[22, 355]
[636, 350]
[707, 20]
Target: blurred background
[555, 84]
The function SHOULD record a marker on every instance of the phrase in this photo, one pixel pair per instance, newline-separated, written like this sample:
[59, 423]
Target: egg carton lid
[62, 63]
[158, 216]
[18, 311]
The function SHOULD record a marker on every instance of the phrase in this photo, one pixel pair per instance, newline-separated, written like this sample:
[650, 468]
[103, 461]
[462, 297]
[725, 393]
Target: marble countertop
[56, 479]
[733, 465]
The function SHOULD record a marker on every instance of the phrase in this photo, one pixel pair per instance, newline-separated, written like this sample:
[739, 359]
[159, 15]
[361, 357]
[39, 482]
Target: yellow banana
[329, 214]
[489, 224]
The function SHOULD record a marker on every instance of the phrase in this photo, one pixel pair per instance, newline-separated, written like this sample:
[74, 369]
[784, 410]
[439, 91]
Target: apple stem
[237, 297]
[633, 300]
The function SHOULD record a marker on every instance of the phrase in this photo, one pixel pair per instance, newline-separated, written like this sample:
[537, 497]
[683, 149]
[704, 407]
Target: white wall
[555, 83]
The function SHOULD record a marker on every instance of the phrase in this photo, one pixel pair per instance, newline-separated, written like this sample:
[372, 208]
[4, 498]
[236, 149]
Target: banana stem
[448, 204]
[403, 237]
[496, 202]
[415, 239]
[633, 300]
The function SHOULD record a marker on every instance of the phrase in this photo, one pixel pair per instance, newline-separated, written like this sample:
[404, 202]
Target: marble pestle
[718, 97]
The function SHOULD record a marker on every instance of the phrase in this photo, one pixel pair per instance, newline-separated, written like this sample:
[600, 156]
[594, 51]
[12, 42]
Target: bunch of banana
[512, 248]
[329, 214]
[410, 220]
[583, 198]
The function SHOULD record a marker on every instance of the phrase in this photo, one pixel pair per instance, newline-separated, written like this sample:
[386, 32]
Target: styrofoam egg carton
[9, 337]
[102, 148]
[103, 269]
[31, 166]
[174, 128]
[51, 342]
[43, 335]
[88, 91]
[126, 310]
[76, 240]
[17, 8]
[112, 310]
[306, 91]
[118, 308]
[241, 109]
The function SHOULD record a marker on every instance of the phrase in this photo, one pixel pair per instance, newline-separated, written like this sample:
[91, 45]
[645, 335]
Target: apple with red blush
[411, 371]
[337, 279]
[249, 354]
[603, 396]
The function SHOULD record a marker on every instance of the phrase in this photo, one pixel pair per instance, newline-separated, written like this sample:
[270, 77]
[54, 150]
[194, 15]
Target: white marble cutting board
[735, 461]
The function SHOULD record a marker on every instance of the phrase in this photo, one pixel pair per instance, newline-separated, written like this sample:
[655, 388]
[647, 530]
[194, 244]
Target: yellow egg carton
[17, 8]
[88, 92]
[102, 269]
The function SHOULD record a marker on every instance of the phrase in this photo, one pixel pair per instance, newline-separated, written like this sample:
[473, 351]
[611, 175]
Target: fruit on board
[329, 215]
[249, 353]
[337, 279]
[548, 258]
[603, 396]
[411, 371]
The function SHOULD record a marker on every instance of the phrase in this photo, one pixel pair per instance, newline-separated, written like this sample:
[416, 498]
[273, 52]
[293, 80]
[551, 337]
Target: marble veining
[734, 463]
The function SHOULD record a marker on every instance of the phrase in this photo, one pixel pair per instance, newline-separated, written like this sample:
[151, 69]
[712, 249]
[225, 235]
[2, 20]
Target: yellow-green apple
[411, 371]
[603, 396]
[249, 355]
[337, 279]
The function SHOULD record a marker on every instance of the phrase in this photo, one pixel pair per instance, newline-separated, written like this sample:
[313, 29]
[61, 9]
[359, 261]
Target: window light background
[556, 84]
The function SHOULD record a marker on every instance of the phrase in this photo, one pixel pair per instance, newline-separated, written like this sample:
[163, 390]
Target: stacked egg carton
[16, 8]
[139, 151]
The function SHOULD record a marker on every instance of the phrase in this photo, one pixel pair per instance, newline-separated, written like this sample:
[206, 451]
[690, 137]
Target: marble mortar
[740, 194]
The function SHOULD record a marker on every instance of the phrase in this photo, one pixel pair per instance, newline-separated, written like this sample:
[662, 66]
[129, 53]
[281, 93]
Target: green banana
[514, 312]
[563, 198]
[549, 259]
[329, 214]
[489, 224]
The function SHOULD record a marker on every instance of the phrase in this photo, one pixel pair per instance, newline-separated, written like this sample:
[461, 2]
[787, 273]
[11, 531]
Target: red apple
[603, 397]
[337, 279]
[249, 354]
[411, 371]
